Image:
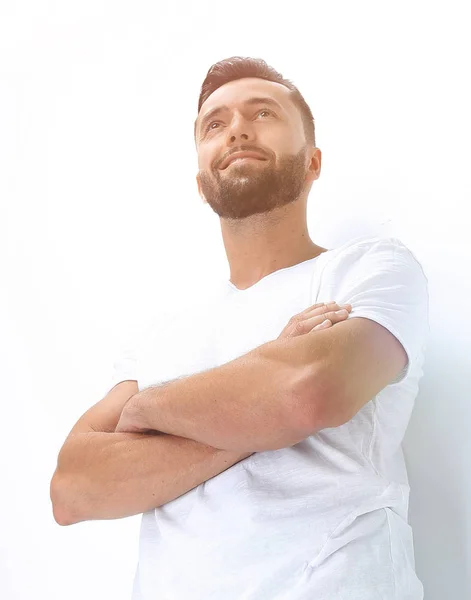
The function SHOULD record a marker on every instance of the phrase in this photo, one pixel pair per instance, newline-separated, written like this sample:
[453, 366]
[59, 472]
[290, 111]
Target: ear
[315, 162]
[199, 188]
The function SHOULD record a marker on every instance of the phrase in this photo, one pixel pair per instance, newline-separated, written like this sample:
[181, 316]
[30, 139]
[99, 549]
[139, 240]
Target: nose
[242, 135]
[239, 128]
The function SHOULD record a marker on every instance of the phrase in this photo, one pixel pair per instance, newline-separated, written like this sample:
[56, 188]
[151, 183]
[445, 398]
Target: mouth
[242, 156]
[241, 160]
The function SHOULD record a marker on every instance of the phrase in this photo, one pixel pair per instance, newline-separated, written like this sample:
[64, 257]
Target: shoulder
[369, 250]
[366, 243]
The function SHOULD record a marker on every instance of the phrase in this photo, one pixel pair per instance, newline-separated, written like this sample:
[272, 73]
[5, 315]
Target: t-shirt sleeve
[126, 357]
[384, 282]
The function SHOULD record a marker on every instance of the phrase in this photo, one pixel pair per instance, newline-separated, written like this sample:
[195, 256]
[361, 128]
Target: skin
[261, 204]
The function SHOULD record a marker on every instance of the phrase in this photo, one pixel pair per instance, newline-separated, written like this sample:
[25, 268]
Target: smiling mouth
[236, 160]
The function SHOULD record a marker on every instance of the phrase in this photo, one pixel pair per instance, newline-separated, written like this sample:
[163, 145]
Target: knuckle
[299, 327]
[330, 306]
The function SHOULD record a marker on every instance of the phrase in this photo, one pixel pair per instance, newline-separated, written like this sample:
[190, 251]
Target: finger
[324, 325]
[326, 312]
[336, 315]
[333, 317]
[327, 305]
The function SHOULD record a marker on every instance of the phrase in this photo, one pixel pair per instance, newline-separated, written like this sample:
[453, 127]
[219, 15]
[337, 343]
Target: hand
[319, 316]
[132, 419]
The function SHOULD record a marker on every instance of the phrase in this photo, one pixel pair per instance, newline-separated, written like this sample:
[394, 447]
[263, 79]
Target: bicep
[363, 358]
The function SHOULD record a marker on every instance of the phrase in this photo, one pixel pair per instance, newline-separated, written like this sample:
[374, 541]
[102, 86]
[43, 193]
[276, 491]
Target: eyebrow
[249, 102]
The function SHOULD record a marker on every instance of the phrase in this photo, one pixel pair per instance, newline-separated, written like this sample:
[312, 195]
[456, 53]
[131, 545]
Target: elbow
[60, 517]
[58, 511]
[61, 505]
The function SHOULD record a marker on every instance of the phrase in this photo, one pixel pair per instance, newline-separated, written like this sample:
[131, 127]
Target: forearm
[248, 404]
[115, 475]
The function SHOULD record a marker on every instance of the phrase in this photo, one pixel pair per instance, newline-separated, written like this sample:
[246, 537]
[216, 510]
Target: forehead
[236, 93]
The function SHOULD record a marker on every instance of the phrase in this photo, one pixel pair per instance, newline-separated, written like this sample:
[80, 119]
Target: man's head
[279, 128]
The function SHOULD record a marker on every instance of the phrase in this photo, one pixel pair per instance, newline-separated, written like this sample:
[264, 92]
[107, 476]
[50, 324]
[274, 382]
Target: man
[268, 465]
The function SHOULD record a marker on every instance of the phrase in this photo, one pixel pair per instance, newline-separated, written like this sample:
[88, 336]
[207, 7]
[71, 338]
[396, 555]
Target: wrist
[133, 417]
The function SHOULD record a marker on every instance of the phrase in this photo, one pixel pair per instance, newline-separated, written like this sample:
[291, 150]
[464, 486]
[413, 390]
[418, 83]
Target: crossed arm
[279, 393]
[250, 404]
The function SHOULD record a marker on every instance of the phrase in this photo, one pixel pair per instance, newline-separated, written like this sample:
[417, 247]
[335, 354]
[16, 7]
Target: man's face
[275, 131]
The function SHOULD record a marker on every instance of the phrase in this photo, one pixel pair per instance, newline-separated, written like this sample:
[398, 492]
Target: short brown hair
[238, 67]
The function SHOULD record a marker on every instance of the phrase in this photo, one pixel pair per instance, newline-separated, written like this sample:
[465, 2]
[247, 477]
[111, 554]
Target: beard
[248, 188]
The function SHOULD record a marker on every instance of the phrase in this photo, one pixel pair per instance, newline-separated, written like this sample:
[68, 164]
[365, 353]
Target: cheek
[207, 161]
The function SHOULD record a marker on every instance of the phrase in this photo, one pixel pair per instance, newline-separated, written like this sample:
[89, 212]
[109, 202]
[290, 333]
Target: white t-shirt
[326, 518]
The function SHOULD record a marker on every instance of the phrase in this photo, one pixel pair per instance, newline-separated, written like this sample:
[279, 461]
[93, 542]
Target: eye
[216, 122]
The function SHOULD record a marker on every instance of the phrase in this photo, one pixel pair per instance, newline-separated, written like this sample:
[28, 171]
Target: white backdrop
[100, 210]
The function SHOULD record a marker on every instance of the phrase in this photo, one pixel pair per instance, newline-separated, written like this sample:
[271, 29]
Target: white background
[101, 225]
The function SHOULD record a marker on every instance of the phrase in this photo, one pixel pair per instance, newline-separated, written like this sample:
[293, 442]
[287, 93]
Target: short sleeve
[384, 282]
[126, 358]
[129, 356]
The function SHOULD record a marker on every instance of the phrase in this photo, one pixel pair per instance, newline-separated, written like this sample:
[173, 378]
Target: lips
[236, 155]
